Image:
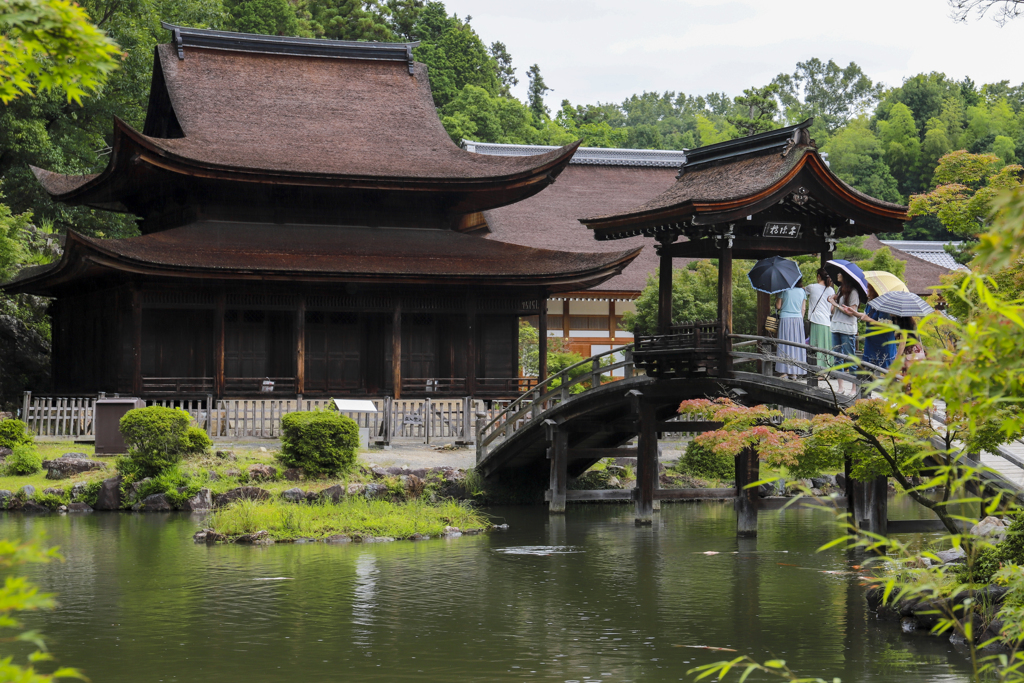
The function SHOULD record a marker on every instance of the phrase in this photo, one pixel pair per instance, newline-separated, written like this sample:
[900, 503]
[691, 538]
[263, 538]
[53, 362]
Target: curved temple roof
[329, 113]
[722, 181]
[314, 253]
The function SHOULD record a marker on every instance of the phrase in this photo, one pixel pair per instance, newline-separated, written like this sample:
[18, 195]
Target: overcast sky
[603, 50]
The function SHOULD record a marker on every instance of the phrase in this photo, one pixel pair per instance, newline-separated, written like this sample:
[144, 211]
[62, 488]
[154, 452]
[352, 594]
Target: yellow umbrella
[884, 282]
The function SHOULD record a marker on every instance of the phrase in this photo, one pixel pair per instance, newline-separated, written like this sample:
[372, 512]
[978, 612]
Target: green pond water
[587, 596]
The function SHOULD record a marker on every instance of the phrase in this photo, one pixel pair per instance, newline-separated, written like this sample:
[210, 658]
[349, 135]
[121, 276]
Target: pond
[587, 596]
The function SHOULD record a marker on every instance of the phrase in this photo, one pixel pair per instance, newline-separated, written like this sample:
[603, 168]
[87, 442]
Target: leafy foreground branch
[977, 382]
[749, 665]
[18, 594]
[349, 519]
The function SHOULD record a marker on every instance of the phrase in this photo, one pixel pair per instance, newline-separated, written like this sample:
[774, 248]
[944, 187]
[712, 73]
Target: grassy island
[355, 517]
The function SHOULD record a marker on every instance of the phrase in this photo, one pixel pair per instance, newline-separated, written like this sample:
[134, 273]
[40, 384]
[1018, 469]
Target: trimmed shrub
[198, 441]
[702, 461]
[14, 433]
[156, 437]
[319, 441]
[24, 460]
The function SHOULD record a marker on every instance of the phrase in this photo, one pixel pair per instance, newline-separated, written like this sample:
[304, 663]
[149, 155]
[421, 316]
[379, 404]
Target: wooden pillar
[876, 506]
[565, 320]
[725, 305]
[646, 464]
[748, 468]
[558, 454]
[849, 490]
[665, 292]
[611, 320]
[136, 341]
[471, 346]
[218, 344]
[396, 348]
[542, 339]
[870, 504]
[300, 346]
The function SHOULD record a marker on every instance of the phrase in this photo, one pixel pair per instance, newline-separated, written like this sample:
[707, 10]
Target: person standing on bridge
[844, 321]
[819, 314]
[880, 345]
[791, 304]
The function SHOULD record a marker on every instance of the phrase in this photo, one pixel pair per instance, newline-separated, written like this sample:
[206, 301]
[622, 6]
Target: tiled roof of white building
[932, 252]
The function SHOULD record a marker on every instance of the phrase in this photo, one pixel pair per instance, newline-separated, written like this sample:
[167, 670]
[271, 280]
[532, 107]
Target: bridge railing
[850, 369]
[559, 388]
[553, 391]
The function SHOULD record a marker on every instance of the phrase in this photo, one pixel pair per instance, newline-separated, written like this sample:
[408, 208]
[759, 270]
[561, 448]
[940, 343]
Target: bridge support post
[558, 455]
[871, 505]
[748, 470]
[646, 464]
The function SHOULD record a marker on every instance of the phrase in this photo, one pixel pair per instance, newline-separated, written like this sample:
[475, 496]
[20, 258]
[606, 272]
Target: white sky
[605, 50]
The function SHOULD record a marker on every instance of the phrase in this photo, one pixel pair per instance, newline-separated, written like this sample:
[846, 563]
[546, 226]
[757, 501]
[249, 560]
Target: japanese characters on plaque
[781, 230]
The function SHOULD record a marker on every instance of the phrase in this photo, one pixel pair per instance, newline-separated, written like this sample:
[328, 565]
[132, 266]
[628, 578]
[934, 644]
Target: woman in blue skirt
[791, 304]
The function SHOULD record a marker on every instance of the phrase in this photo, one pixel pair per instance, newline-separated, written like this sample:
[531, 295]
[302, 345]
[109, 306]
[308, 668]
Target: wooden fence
[447, 419]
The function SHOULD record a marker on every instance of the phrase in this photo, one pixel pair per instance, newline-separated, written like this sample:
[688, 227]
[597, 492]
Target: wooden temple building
[307, 222]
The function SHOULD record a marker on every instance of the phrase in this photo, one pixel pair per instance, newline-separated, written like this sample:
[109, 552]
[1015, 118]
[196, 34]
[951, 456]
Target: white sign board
[345, 405]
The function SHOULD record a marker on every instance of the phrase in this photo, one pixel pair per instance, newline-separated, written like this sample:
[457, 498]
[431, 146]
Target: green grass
[352, 517]
[51, 450]
[195, 468]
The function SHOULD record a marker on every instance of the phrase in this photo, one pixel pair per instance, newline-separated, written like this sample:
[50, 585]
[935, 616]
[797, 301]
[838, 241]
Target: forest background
[886, 141]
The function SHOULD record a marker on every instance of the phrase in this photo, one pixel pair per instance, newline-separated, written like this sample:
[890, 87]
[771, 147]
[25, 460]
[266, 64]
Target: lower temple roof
[314, 253]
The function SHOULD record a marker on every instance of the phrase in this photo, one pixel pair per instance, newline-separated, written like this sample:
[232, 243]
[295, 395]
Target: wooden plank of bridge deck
[1005, 467]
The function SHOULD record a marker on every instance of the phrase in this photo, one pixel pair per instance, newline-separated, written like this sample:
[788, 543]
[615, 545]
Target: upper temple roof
[241, 108]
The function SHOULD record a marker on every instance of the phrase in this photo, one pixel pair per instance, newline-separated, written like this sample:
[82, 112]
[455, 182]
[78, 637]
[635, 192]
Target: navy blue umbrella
[774, 274]
[852, 272]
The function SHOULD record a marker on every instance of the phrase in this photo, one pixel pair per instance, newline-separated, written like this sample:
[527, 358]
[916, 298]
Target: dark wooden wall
[96, 336]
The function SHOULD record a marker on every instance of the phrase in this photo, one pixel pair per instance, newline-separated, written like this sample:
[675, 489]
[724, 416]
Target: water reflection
[586, 596]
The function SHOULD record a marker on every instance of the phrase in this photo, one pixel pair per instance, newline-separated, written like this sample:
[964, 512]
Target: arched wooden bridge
[573, 418]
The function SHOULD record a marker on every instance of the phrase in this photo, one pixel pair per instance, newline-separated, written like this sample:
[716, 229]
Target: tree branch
[938, 509]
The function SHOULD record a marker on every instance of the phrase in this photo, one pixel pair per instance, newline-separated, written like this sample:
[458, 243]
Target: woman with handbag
[791, 304]
[844, 322]
[879, 346]
[819, 315]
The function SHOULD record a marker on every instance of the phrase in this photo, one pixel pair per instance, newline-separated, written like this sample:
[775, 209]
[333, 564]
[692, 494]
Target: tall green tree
[454, 53]
[901, 147]
[506, 72]
[535, 97]
[826, 91]
[855, 154]
[758, 109]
